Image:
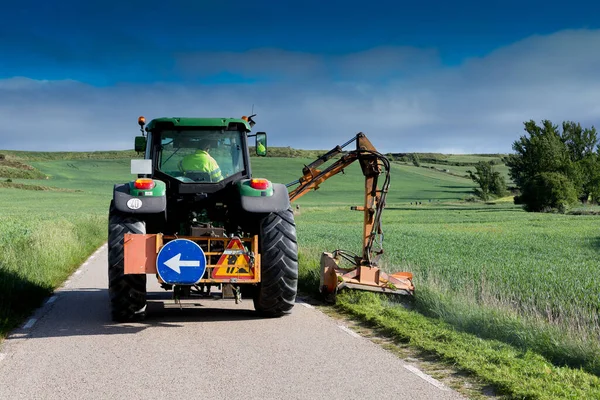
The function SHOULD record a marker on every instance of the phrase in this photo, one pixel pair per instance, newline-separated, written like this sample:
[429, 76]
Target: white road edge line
[77, 272]
[349, 331]
[305, 304]
[30, 323]
[85, 263]
[426, 377]
[51, 299]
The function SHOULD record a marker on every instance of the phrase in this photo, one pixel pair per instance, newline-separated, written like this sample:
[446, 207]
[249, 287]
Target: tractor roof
[167, 123]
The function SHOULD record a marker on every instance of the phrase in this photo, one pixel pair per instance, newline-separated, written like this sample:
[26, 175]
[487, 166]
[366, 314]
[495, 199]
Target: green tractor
[197, 220]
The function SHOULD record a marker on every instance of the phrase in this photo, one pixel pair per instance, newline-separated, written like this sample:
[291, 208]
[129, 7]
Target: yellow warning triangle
[235, 244]
[234, 262]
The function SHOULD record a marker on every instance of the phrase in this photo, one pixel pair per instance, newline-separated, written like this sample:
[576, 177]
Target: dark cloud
[385, 62]
[379, 63]
[264, 64]
[478, 106]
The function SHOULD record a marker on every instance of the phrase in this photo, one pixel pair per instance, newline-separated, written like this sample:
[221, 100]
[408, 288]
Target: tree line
[553, 169]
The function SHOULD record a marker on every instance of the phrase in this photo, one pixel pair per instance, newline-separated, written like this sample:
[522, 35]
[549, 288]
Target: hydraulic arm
[365, 273]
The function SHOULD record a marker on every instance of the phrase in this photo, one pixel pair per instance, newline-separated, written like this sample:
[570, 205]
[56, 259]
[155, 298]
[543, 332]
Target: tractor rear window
[201, 156]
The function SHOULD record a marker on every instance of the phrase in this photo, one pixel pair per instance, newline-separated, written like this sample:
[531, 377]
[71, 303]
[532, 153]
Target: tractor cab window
[203, 156]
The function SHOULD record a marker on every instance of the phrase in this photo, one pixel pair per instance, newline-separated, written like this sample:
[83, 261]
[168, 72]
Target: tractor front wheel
[127, 292]
[278, 246]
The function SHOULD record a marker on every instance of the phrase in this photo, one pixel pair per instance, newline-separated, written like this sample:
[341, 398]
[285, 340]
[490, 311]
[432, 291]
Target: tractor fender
[279, 201]
[149, 204]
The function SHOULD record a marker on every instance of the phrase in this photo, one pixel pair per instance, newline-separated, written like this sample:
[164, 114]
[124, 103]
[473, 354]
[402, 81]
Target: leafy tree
[543, 151]
[581, 144]
[553, 169]
[490, 182]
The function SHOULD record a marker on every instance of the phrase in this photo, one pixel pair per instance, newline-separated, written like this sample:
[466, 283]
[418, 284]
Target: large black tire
[127, 292]
[278, 246]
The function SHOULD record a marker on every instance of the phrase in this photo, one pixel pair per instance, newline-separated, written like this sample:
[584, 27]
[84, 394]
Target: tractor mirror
[261, 144]
[141, 167]
[140, 144]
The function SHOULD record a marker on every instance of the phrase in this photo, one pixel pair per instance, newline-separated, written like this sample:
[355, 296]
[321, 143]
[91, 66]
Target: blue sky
[415, 76]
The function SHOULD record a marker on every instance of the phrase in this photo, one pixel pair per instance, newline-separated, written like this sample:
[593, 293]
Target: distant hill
[449, 159]
[454, 164]
[286, 152]
[15, 164]
[67, 155]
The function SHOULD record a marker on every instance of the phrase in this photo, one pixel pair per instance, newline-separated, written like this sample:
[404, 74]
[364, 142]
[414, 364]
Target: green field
[528, 280]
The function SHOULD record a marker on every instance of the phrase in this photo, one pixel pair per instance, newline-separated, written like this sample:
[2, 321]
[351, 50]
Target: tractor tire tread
[277, 291]
[127, 293]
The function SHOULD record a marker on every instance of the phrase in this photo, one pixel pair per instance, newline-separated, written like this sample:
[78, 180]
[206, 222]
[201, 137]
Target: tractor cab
[199, 154]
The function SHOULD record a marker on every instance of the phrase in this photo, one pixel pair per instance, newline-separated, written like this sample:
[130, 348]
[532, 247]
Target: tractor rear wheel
[127, 292]
[278, 246]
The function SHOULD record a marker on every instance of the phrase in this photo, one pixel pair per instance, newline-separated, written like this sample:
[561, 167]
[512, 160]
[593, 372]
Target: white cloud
[479, 106]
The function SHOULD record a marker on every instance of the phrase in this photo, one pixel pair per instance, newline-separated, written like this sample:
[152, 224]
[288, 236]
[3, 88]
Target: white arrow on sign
[175, 263]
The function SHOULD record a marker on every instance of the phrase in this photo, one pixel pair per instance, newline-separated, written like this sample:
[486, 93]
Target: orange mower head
[362, 277]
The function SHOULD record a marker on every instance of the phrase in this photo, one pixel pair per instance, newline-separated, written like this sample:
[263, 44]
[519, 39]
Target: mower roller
[197, 219]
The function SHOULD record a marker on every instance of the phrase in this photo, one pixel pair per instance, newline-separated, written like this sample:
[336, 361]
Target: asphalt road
[214, 349]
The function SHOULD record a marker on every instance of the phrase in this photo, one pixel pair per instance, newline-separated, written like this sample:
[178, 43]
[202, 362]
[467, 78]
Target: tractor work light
[259, 184]
[144, 184]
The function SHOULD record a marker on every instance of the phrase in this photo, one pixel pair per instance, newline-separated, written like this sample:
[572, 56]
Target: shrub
[415, 160]
[548, 191]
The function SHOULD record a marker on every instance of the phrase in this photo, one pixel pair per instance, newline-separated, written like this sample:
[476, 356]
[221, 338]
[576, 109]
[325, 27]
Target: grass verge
[37, 256]
[517, 373]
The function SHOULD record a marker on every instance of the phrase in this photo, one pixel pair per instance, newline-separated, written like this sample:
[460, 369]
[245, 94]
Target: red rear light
[144, 184]
[259, 184]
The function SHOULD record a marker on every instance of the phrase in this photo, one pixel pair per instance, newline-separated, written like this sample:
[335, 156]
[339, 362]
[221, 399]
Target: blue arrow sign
[181, 262]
